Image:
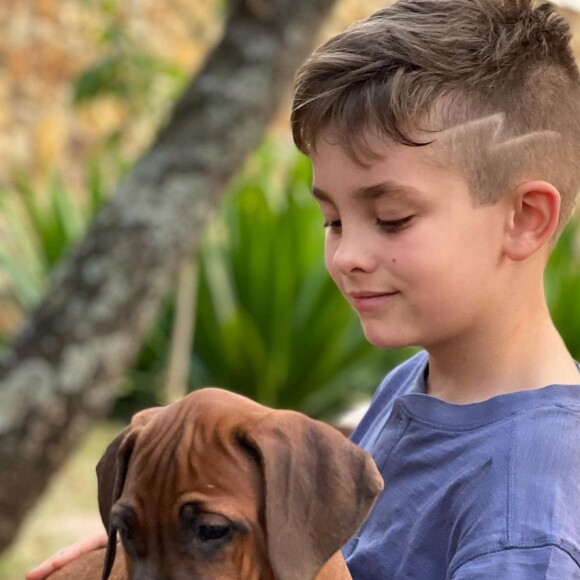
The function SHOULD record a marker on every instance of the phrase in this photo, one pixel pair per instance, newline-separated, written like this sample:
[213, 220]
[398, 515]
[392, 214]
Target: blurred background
[84, 85]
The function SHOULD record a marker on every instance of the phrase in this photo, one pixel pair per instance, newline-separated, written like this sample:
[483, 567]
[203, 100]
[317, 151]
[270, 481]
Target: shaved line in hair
[492, 133]
[493, 158]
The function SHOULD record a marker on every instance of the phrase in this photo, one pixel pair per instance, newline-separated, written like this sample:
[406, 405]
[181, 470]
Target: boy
[444, 136]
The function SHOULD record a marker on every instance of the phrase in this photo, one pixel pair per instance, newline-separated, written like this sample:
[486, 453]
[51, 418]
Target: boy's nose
[353, 254]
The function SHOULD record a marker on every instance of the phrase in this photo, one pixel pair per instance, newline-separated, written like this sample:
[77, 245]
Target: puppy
[218, 487]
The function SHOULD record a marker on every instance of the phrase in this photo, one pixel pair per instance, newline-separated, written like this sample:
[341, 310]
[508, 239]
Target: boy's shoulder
[545, 460]
[405, 387]
[531, 486]
[496, 479]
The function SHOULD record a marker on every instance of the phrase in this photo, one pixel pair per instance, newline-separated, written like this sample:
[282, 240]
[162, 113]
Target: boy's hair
[493, 81]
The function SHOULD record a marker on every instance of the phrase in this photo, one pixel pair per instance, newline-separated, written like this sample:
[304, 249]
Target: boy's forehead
[370, 157]
[397, 172]
[391, 188]
[362, 155]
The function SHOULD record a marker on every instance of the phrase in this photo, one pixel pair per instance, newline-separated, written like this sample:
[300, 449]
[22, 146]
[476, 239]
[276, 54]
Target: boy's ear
[534, 215]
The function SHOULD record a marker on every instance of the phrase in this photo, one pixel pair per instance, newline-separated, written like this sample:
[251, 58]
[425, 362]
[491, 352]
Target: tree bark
[59, 373]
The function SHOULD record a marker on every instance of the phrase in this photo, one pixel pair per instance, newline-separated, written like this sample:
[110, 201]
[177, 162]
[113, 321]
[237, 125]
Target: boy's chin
[391, 339]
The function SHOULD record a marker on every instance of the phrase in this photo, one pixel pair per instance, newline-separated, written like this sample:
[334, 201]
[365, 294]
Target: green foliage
[116, 75]
[40, 227]
[563, 287]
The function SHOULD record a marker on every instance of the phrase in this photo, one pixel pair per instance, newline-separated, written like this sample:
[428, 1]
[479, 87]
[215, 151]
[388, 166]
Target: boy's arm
[535, 563]
[67, 555]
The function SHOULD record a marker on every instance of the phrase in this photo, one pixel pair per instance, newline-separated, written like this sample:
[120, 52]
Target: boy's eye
[334, 226]
[393, 226]
[389, 226]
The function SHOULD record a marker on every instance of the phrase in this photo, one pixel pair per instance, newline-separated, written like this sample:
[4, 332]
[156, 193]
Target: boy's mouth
[365, 301]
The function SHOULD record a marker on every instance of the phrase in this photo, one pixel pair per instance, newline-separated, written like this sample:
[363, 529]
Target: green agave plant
[39, 227]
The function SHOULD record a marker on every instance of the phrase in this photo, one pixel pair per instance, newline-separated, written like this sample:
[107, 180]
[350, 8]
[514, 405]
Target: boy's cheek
[329, 252]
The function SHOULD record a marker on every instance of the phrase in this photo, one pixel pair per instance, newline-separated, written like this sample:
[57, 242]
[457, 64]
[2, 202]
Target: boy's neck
[505, 359]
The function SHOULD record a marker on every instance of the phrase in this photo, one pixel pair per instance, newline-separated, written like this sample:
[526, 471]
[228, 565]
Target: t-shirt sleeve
[537, 563]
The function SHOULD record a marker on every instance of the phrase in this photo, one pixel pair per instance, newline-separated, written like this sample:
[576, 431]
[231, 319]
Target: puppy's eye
[209, 532]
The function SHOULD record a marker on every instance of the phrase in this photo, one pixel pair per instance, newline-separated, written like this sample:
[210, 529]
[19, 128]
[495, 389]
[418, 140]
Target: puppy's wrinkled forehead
[193, 443]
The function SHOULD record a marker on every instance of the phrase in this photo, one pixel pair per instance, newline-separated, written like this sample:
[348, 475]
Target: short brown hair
[439, 64]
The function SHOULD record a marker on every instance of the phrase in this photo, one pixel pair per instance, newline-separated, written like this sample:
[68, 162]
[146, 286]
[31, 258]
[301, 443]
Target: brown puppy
[218, 487]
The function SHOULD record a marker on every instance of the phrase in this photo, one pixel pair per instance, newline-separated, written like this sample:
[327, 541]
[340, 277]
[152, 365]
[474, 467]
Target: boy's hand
[67, 555]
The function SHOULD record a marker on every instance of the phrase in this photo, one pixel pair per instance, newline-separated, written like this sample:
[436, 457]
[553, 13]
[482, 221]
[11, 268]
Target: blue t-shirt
[483, 491]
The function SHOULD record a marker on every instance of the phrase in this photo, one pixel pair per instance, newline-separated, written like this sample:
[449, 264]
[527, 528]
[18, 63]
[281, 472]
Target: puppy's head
[216, 486]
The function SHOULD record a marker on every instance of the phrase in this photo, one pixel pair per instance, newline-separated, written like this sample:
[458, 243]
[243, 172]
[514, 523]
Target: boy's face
[406, 245]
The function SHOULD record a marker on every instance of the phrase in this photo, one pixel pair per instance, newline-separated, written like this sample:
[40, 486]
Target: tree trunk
[60, 372]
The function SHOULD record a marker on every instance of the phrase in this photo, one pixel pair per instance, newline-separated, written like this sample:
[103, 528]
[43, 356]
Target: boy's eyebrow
[371, 192]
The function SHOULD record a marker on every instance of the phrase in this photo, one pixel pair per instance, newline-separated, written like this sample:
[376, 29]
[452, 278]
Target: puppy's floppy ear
[112, 467]
[319, 488]
[111, 474]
